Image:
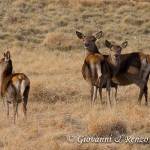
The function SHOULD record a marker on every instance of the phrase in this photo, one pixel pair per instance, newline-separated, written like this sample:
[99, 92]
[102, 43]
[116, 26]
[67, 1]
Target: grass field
[41, 38]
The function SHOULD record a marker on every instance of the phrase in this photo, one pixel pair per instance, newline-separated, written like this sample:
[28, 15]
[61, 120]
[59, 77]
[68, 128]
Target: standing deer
[113, 61]
[94, 69]
[103, 69]
[14, 86]
[91, 48]
[134, 69]
[89, 42]
[95, 64]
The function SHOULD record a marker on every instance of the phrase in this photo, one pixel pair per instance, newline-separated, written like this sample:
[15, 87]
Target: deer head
[89, 42]
[115, 49]
[6, 64]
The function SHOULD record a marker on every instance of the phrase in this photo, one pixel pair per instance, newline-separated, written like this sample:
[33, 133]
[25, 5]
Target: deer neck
[2, 83]
[2, 76]
[114, 64]
[95, 50]
[4, 72]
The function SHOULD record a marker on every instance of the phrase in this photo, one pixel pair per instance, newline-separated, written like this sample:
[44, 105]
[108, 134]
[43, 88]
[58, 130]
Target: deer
[95, 65]
[91, 48]
[113, 61]
[134, 68]
[14, 86]
[94, 70]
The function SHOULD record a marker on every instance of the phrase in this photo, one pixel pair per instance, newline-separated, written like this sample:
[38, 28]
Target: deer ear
[80, 35]
[124, 45]
[98, 35]
[108, 44]
[7, 56]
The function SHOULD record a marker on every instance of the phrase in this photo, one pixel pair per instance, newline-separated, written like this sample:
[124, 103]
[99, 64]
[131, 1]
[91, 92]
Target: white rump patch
[98, 68]
[145, 69]
[22, 87]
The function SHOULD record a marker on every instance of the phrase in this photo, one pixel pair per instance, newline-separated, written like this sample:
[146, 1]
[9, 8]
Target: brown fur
[89, 42]
[92, 60]
[131, 66]
[11, 78]
[91, 74]
[133, 69]
[14, 86]
[95, 58]
[90, 69]
[148, 59]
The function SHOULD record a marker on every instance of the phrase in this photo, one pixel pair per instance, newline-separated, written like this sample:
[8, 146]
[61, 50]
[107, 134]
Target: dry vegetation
[41, 38]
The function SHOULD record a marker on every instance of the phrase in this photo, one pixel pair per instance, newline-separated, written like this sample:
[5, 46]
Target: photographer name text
[128, 139]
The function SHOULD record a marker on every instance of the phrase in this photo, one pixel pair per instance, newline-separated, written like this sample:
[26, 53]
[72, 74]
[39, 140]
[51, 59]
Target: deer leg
[141, 94]
[3, 102]
[94, 93]
[7, 108]
[146, 94]
[145, 91]
[91, 91]
[17, 112]
[100, 94]
[15, 105]
[24, 102]
[139, 82]
[108, 93]
[100, 89]
[116, 88]
[102, 81]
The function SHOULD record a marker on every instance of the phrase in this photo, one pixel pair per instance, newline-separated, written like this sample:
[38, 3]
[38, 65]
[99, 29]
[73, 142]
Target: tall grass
[41, 38]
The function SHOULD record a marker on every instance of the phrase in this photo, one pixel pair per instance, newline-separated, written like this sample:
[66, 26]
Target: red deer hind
[14, 86]
[96, 67]
[113, 61]
[91, 48]
[134, 69]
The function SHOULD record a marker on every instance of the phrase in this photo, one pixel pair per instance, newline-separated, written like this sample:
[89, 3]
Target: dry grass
[41, 38]
[59, 41]
[120, 120]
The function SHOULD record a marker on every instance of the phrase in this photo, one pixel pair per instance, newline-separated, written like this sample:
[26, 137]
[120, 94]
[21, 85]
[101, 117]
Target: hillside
[41, 38]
